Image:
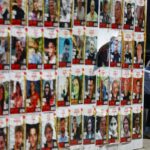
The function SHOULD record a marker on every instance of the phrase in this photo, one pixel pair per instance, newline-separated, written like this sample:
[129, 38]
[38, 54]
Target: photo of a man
[51, 12]
[65, 51]
[101, 128]
[92, 10]
[91, 50]
[18, 51]
[136, 123]
[105, 12]
[126, 90]
[137, 84]
[79, 10]
[115, 52]
[33, 136]
[19, 138]
[118, 12]
[90, 86]
[127, 54]
[50, 142]
[115, 90]
[138, 55]
[63, 133]
[18, 9]
[104, 89]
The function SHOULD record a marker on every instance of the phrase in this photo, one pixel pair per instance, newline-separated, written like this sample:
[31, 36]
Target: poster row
[26, 92]
[116, 14]
[72, 128]
[44, 48]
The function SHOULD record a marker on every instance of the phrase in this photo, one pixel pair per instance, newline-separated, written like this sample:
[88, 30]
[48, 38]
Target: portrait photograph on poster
[19, 12]
[35, 13]
[79, 12]
[51, 15]
[5, 12]
[4, 49]
[18, 48]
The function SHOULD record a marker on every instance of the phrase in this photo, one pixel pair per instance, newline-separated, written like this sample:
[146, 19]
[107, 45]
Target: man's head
[140, 15]
[19, 136]
[118, 12]
[115, 87]
[51, 7]
[62, 123]
[137, 121]
[102, 125]
[76, 86]
[126, 85]
[129, 8]
[105, 6]
[79, 4]
[19, 2]
[92, 46]
[127, 47]
[116, 44]
[74, 122]
[126, 124]
[2, 140]
[139, 50]
[66, 45]
[48, 132]
[33, 136]
[92, 6]
[91, 86]
[51, 49]
[138, 86]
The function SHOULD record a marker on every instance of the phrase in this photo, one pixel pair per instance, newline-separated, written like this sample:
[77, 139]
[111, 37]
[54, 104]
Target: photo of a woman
[34, 96]
[17, 96]
[77, 89]
[126, 127]
[48, 94]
